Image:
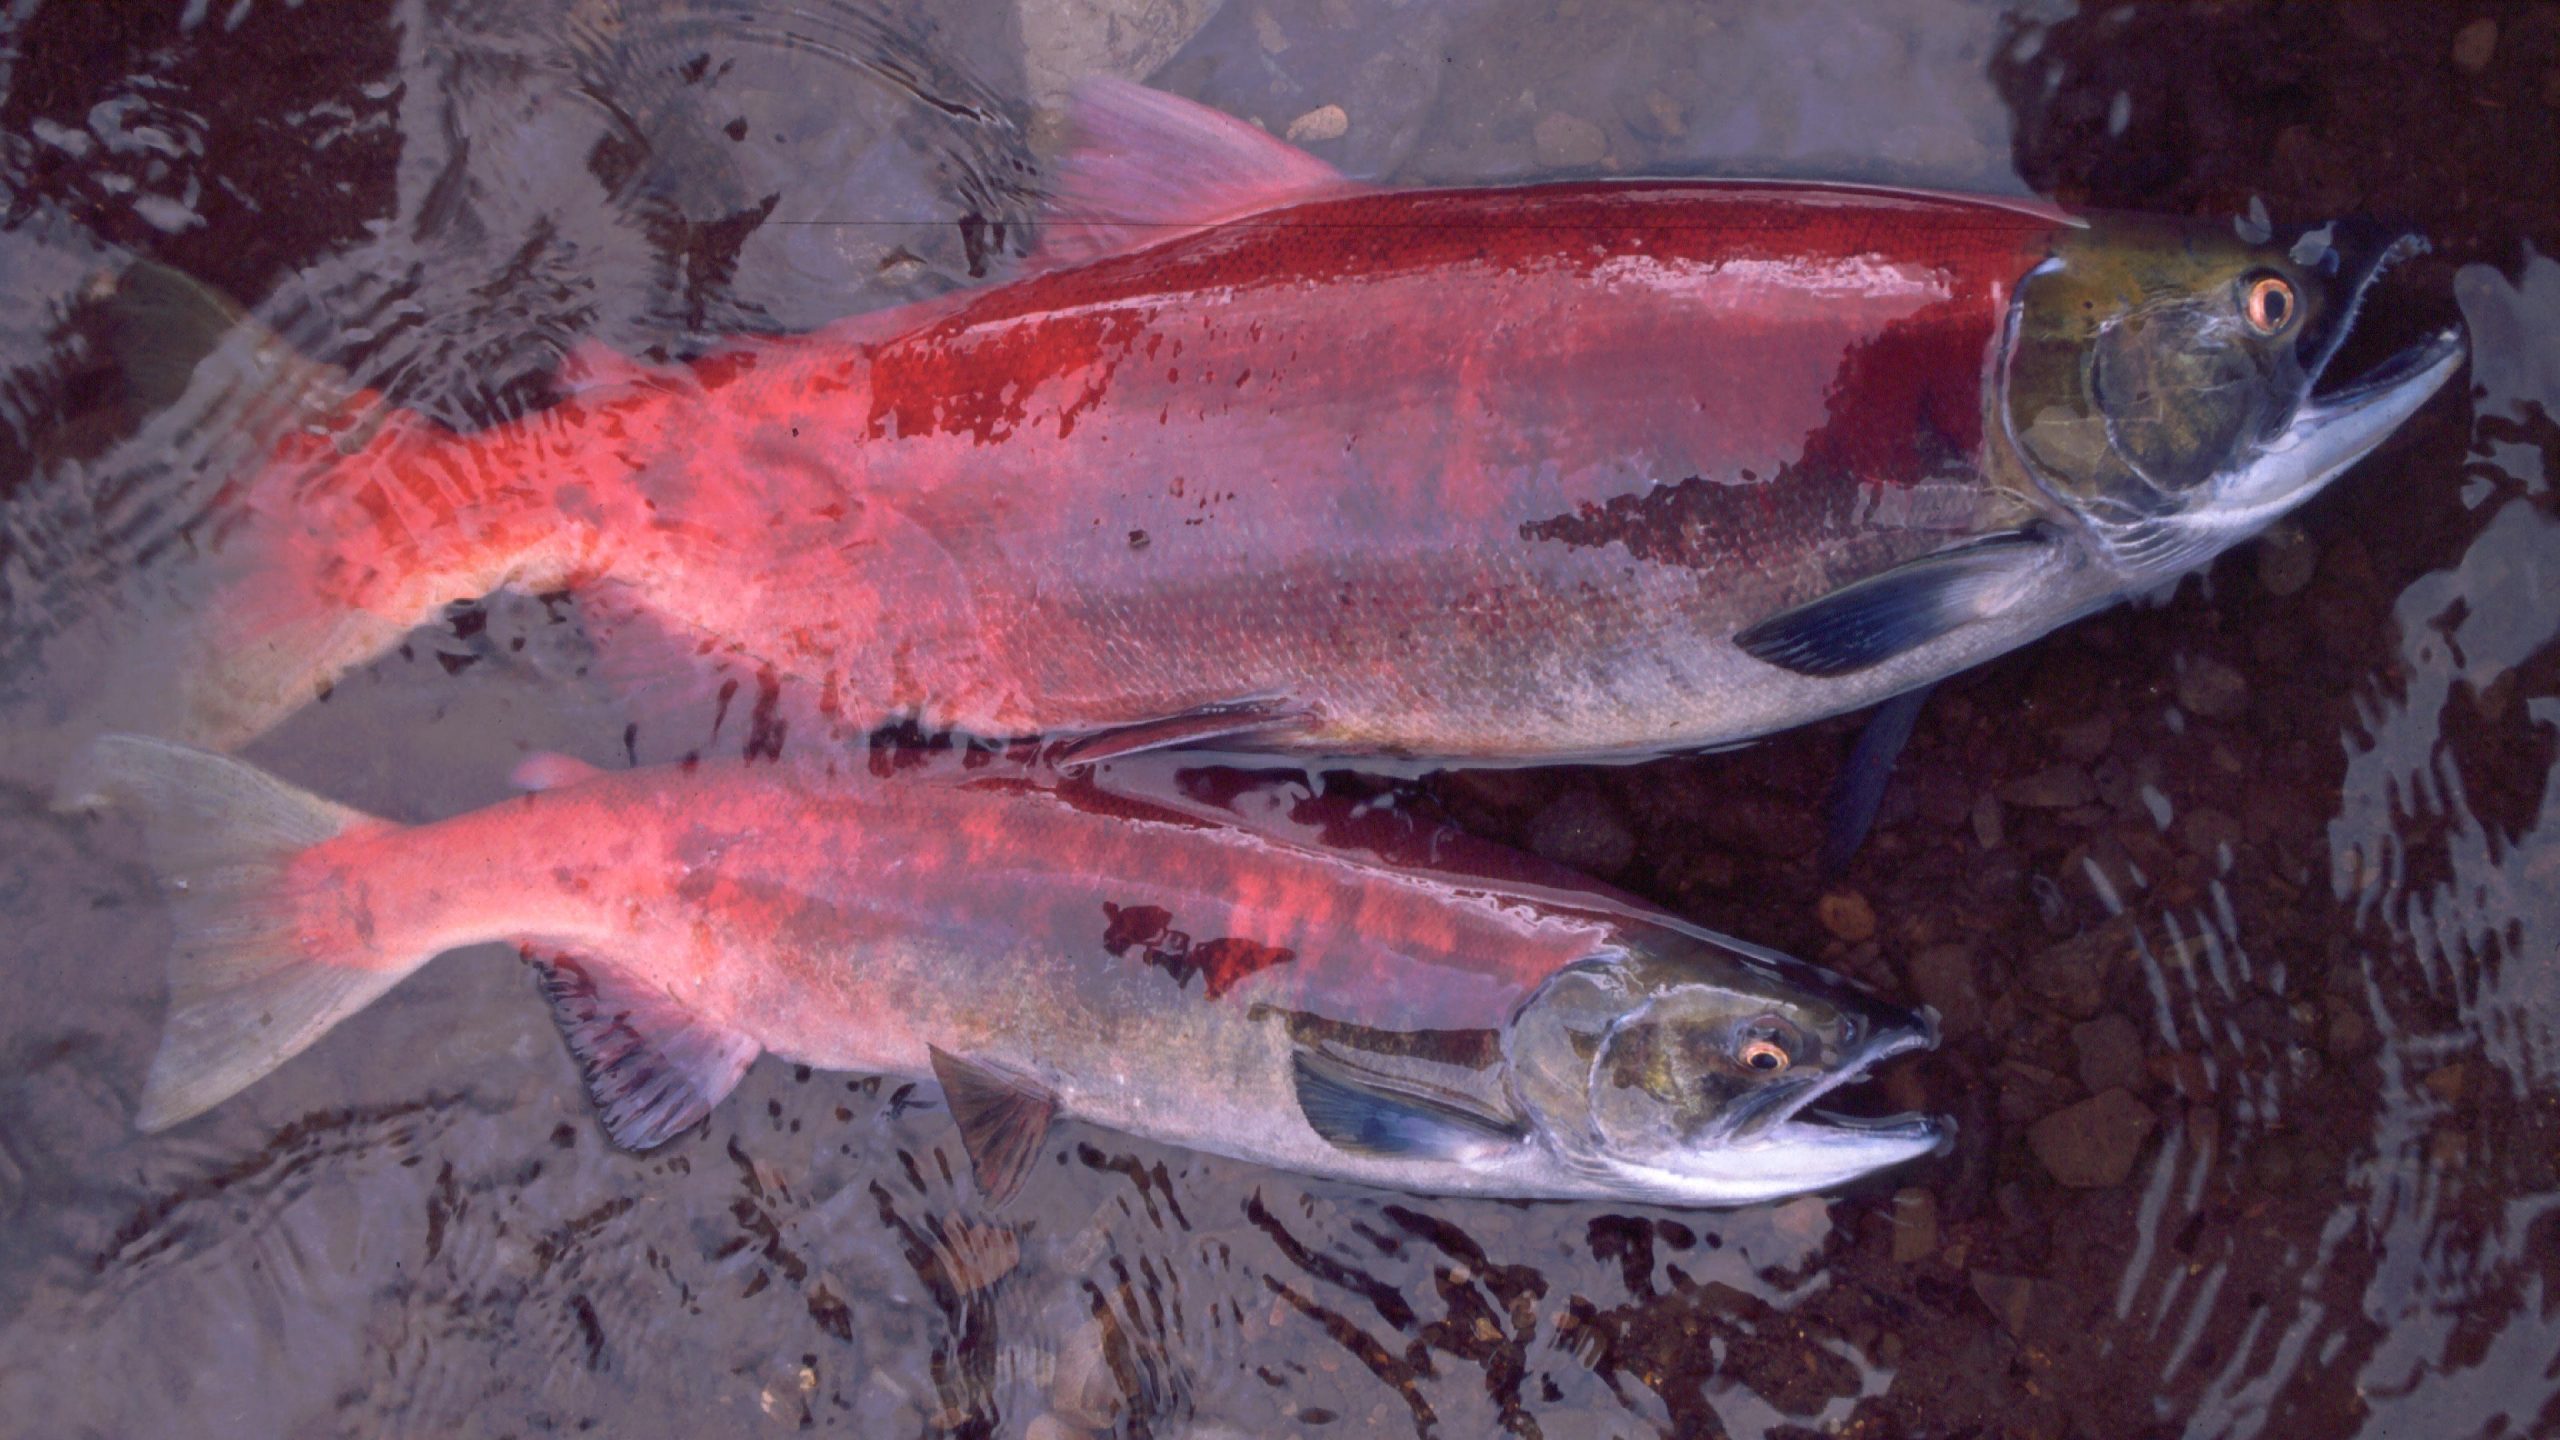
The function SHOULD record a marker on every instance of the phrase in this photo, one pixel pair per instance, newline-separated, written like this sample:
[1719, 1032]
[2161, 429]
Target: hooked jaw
[2329, 432]
[1783, 1149]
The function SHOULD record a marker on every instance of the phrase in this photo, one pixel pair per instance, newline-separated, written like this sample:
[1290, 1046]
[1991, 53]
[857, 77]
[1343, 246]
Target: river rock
[1582, 830]
[2109, 1051]
[1943, 977]
[2210, 689]
[2093, 1144]
[1847, 914]
[2056, 787]
[1569, 142]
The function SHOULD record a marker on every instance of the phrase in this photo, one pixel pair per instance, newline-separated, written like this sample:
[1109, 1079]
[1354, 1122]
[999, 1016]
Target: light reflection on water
[2332, 945]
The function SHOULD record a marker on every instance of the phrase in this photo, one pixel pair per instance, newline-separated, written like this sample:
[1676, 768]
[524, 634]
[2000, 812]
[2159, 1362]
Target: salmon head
[2163, 381]
[1681, 1069]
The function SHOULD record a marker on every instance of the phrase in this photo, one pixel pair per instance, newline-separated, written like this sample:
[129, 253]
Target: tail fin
[244, 994]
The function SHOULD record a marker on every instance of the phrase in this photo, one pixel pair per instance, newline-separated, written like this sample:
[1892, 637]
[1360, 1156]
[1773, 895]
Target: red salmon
[1562, 470]
[1130, 953]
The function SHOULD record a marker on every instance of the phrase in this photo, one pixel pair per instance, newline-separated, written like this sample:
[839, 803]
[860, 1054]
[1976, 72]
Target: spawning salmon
[1041, 943]
[1252, 452]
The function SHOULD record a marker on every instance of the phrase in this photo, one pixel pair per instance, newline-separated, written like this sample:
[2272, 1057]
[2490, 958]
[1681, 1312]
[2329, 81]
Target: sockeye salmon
[1250, 451]
[1041, 943]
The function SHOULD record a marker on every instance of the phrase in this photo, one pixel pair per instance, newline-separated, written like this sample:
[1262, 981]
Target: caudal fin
[244, 993]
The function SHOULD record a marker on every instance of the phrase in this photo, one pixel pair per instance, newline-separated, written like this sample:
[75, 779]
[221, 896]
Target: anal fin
[1870, 621]
[1367, 1115]
[1002, 1116]
[653, 1067]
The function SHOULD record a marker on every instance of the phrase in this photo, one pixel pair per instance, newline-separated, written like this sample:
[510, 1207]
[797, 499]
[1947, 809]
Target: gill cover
[2157, 380]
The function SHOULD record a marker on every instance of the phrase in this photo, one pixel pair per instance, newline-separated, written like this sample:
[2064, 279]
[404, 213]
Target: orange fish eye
[2270, 305]
[1766, 1056]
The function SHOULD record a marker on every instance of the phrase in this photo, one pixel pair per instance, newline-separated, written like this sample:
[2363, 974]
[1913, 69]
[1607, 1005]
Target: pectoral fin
[1875, 619]
[1231, 720]
[1002, 1116]
[654, 1067]
[1368, 1115]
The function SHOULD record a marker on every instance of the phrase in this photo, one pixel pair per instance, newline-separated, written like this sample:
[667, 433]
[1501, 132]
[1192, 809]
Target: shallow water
[2239, 908]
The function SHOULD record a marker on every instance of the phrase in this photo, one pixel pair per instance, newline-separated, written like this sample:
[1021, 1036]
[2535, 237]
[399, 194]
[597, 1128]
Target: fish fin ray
[1368, 1115]
[1869, 621]
[1003, 1117]
[1143, 166]
[653, 1067]
[245, 995]
[1849, 811]
[1231, 720]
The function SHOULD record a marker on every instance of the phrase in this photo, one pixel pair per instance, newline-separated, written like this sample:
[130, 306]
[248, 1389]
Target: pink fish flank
[1457, 472]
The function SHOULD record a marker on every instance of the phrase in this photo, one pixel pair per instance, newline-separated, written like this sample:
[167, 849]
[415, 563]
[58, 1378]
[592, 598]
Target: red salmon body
[1490, 472]
[1479, 472]
[1251, 453]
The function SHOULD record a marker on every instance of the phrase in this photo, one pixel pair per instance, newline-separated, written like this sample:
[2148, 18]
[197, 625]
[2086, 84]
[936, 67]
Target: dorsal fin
[1142, 167]
[654, 1067]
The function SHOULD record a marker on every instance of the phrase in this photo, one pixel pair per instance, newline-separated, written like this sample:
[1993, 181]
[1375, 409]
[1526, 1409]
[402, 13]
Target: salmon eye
[1766, 1056]
[2270, 304]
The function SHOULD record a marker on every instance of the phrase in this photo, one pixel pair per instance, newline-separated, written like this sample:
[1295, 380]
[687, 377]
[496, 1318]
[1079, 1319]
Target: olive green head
[2158, 381]
[1682, 1066]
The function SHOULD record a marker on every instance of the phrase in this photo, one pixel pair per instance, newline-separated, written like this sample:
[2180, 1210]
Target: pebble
[1325, 122]
[1050, 1427]
[1986, 821]
[2086, 740]
[1915, 1225]
[1847, 914]
[2070, 975]
[2010, 1297]
[1569, 141]
[2475, 45]
[1581, 829]
[2093, 1144]
[2056, 787]
[1082, 1389]
[2110, 1053]
[1942, 976]
[2210, 689]
[2286, 558]
[2207, 830]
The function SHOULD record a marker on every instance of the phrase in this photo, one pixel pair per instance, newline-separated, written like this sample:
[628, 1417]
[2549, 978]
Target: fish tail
[251, 982]
[318, 522]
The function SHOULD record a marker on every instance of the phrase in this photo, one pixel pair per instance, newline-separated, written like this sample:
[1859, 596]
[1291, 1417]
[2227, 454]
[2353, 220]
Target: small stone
[2093, 1144]
[1325, 122]
[2446, 1082]
[2070, 975]
[1050, 1427]
[2010, 1297]
[1986, 821]
[2475, 45]
[2056, 787]
[2286, 558]
[2183, 1072]
[1082, 1389]
[2085, 740]
[1847, 914]
[1581, 830]
[2209, 689]
[1658, 115]
[2349, 1034]
[1267, 33]
[1942, 976]
[2110, 1053]
[1915, 1225]
[2208, 831]
[1569, 141]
